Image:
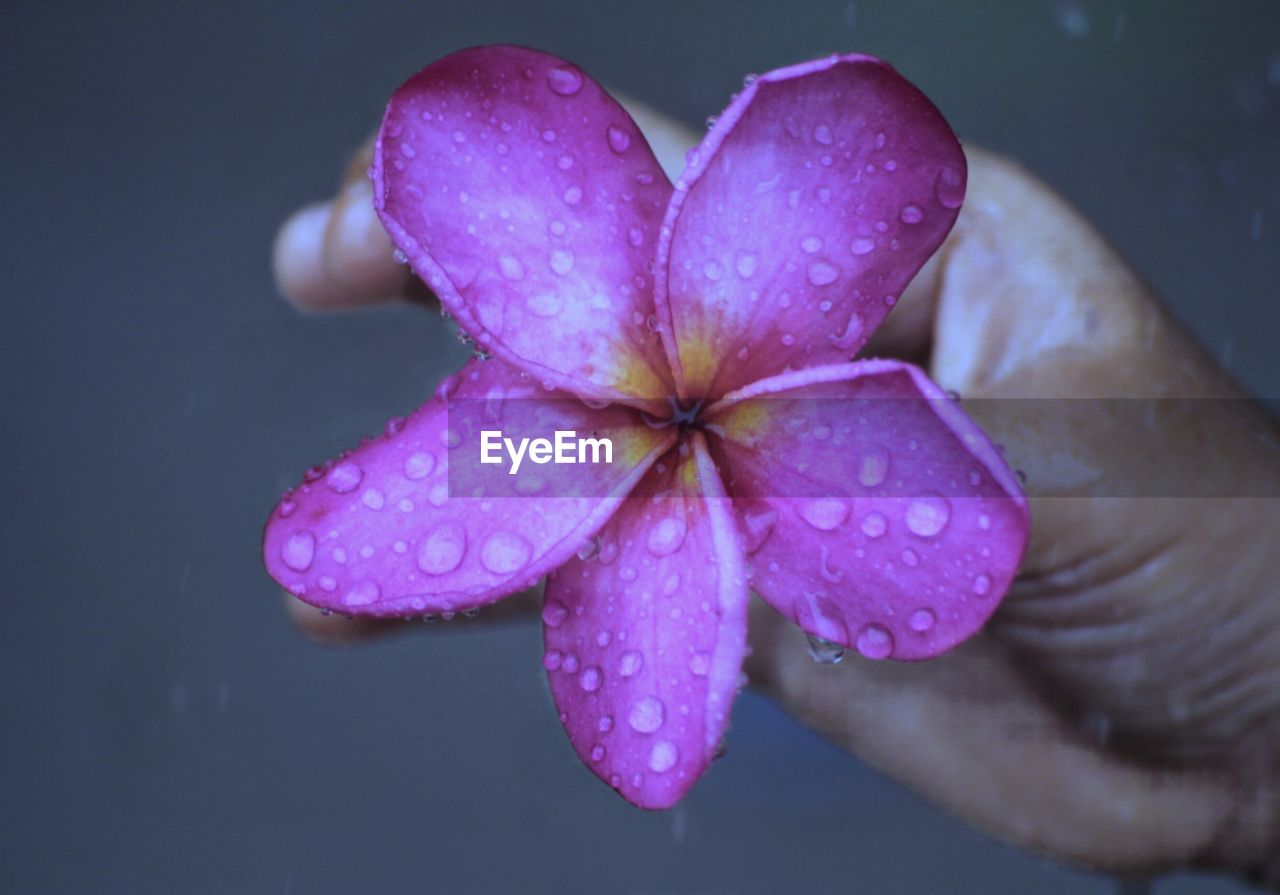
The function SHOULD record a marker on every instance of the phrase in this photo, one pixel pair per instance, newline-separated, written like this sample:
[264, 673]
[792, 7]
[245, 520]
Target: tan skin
[1122, 709]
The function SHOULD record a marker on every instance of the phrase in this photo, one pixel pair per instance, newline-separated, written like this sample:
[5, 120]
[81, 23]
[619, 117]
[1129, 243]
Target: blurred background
[165, 729]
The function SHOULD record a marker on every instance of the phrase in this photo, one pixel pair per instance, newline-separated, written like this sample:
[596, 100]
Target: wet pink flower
[708, 328]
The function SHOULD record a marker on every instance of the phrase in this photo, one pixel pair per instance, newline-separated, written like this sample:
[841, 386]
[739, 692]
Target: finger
[969, 732]
[336, 255]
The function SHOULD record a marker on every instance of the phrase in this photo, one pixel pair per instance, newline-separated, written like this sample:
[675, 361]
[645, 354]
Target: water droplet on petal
[982, 585]
[663, 757]
[589, 680]
[298, 551]
[875, 642]
[863, 246]
[619, 140]
[442, 549]
[922, 620]
[926, 516]
[419, 465]
[630, 663]
[949, 188]
[552, 658]
[373, 498]
[554, 613]
[647, 715]
[746, 265]
[564, 81]
[824, 652]
[822, 134]
[510, 267]
[825, 513]
[911, 214]
[822, 274]
[874, 467]
[811, 244]
[344, 477]
[362, 594]
[589, 550]
[874, 525]
[504, 552]
[666, 537]
[572, 196]
[561, 261]
[635, 236]
[700, 664]
[597, 753]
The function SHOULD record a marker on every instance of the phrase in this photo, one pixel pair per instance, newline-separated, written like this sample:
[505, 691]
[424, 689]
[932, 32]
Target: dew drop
[700, 664]
[824, 652]
[441, 551]
[419, 465]
[949, 188]
[926, 516]
[663, 757]
[510, 267]
[298, 551]
[863, 246]
[666, 537]
[811, 244]
[344, 477]
[822, 134]
[825, 513]
[922, 620]
[746, 265]
[874, 467]
[647, 715]
[911, 214]
[564, 81]
[589, 680]
[635, 236]
[874, 525]
[982, 585]
[561, 261]
[630, 663]
[373, 498]
[362, 594]
[822, 274]
[875, 642]
[589, 550]
[504, 552]
[597, 753]
[552, 658]
[572, 196]
[619, 140]
[554, 613]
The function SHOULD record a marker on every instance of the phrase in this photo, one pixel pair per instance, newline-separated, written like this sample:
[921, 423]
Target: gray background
[164, 728]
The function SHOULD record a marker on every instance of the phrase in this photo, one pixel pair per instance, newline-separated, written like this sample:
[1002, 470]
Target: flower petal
[807, 209]
[645, 639]
[377, 533]
[876, 514]
[530, 202]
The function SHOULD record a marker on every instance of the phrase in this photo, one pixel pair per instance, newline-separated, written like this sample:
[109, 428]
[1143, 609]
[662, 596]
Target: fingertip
[297, 259]
[358, 256]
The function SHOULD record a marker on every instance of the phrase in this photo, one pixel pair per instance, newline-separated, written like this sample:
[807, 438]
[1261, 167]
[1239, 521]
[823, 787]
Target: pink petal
[376, 532]
[876, 514]
[807, 209]
[646, 638]
[529, 201]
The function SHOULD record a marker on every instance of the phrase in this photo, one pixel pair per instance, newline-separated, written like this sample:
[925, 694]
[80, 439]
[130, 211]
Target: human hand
[1122, 709]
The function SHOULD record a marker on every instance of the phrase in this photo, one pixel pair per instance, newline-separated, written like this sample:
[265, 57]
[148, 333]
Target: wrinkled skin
[1122, 709]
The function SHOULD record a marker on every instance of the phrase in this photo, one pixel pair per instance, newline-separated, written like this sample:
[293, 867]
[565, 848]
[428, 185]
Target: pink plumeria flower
[708, 327]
